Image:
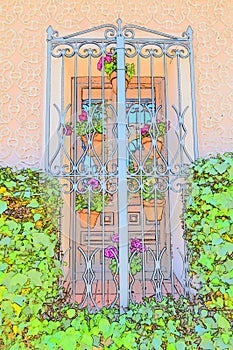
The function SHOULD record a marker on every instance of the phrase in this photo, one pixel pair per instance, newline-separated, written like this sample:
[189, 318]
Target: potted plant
[150, 197]
[90, 194]
[135, 256]
[91, 128]
[148, 132]
[152, 200]
[110, 68]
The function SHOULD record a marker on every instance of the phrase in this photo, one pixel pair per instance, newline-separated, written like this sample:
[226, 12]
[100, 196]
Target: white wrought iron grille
[120, 145]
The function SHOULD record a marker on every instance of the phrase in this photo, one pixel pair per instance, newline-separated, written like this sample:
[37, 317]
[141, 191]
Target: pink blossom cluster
[107, 58]
[109, 252]
[145, 130]
[83, 116]
[135, 245]
[93, 183]
[68, 129]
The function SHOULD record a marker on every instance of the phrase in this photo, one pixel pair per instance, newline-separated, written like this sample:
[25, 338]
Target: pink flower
[100, 63]
[136, 245]
[94, 183]
[83, 116]
[109, 252]
[67, 130]
[145, 129]
[115, 238]
[108, 58]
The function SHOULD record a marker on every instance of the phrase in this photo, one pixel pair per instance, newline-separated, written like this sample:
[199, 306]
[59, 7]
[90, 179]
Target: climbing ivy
[29, 268]
[209, 229]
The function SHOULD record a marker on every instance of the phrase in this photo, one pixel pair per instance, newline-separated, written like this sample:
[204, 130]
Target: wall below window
[23, 63]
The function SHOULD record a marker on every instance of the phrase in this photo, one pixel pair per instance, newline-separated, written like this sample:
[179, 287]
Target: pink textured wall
[23, 26]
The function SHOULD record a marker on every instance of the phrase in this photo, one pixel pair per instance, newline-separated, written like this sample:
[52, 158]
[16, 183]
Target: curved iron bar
[177, 52]
[151, 52]
[88, 283]
[111, 31]
[185, 272]
[133, 184]
[175, 184]
[157, 276]
[132, 278]
[89, 51]
[65, 185]
[61, 144]
[112, 187]
[181, 139]
[65, 51]
[131, 49]
[115, 279]
[129, 28]
[114, 151]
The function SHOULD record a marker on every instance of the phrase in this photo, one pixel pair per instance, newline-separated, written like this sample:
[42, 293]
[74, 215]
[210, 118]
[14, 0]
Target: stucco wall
[23, 26]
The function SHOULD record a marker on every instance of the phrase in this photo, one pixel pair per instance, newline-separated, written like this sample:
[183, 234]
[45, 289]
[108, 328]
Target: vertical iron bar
[158, 292]
[102, 183]
[168, 167]
[48, 96]
[74, 248]
[141, 180]
[192, 77]
[180, 120]
[89, 187]
[122, 173]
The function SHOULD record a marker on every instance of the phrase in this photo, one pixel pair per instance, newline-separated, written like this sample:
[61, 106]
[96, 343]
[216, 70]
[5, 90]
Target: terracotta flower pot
[146, 142]
[84, 218]
[113, 80]
[149, 209]
[96, 144]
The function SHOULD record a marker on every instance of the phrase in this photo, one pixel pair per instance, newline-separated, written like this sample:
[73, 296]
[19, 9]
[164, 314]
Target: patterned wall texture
[23, 26]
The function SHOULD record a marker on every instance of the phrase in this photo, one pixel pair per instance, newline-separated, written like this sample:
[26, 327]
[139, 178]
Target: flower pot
[113, 80]
[146, 142]
[84, 218]
[149, 209]
[96, 144]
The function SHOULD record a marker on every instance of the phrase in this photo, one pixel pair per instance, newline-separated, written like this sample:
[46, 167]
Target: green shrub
[209, 229]
[29, 269]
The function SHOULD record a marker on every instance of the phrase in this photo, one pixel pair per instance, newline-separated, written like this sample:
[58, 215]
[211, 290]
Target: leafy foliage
[110, 65]
[29, 270]
[96, 201]
[91, 194]
[34, 318]
[209, 229]
[91, 120]
[148, 183]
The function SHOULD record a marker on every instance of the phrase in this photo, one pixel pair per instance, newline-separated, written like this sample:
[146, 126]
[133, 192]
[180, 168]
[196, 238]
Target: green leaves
[3, 206]
[33, 204]
[209, 222]
[29, 271]
[222, 322]
[71, 313]
[105, 328]
[35, 277]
